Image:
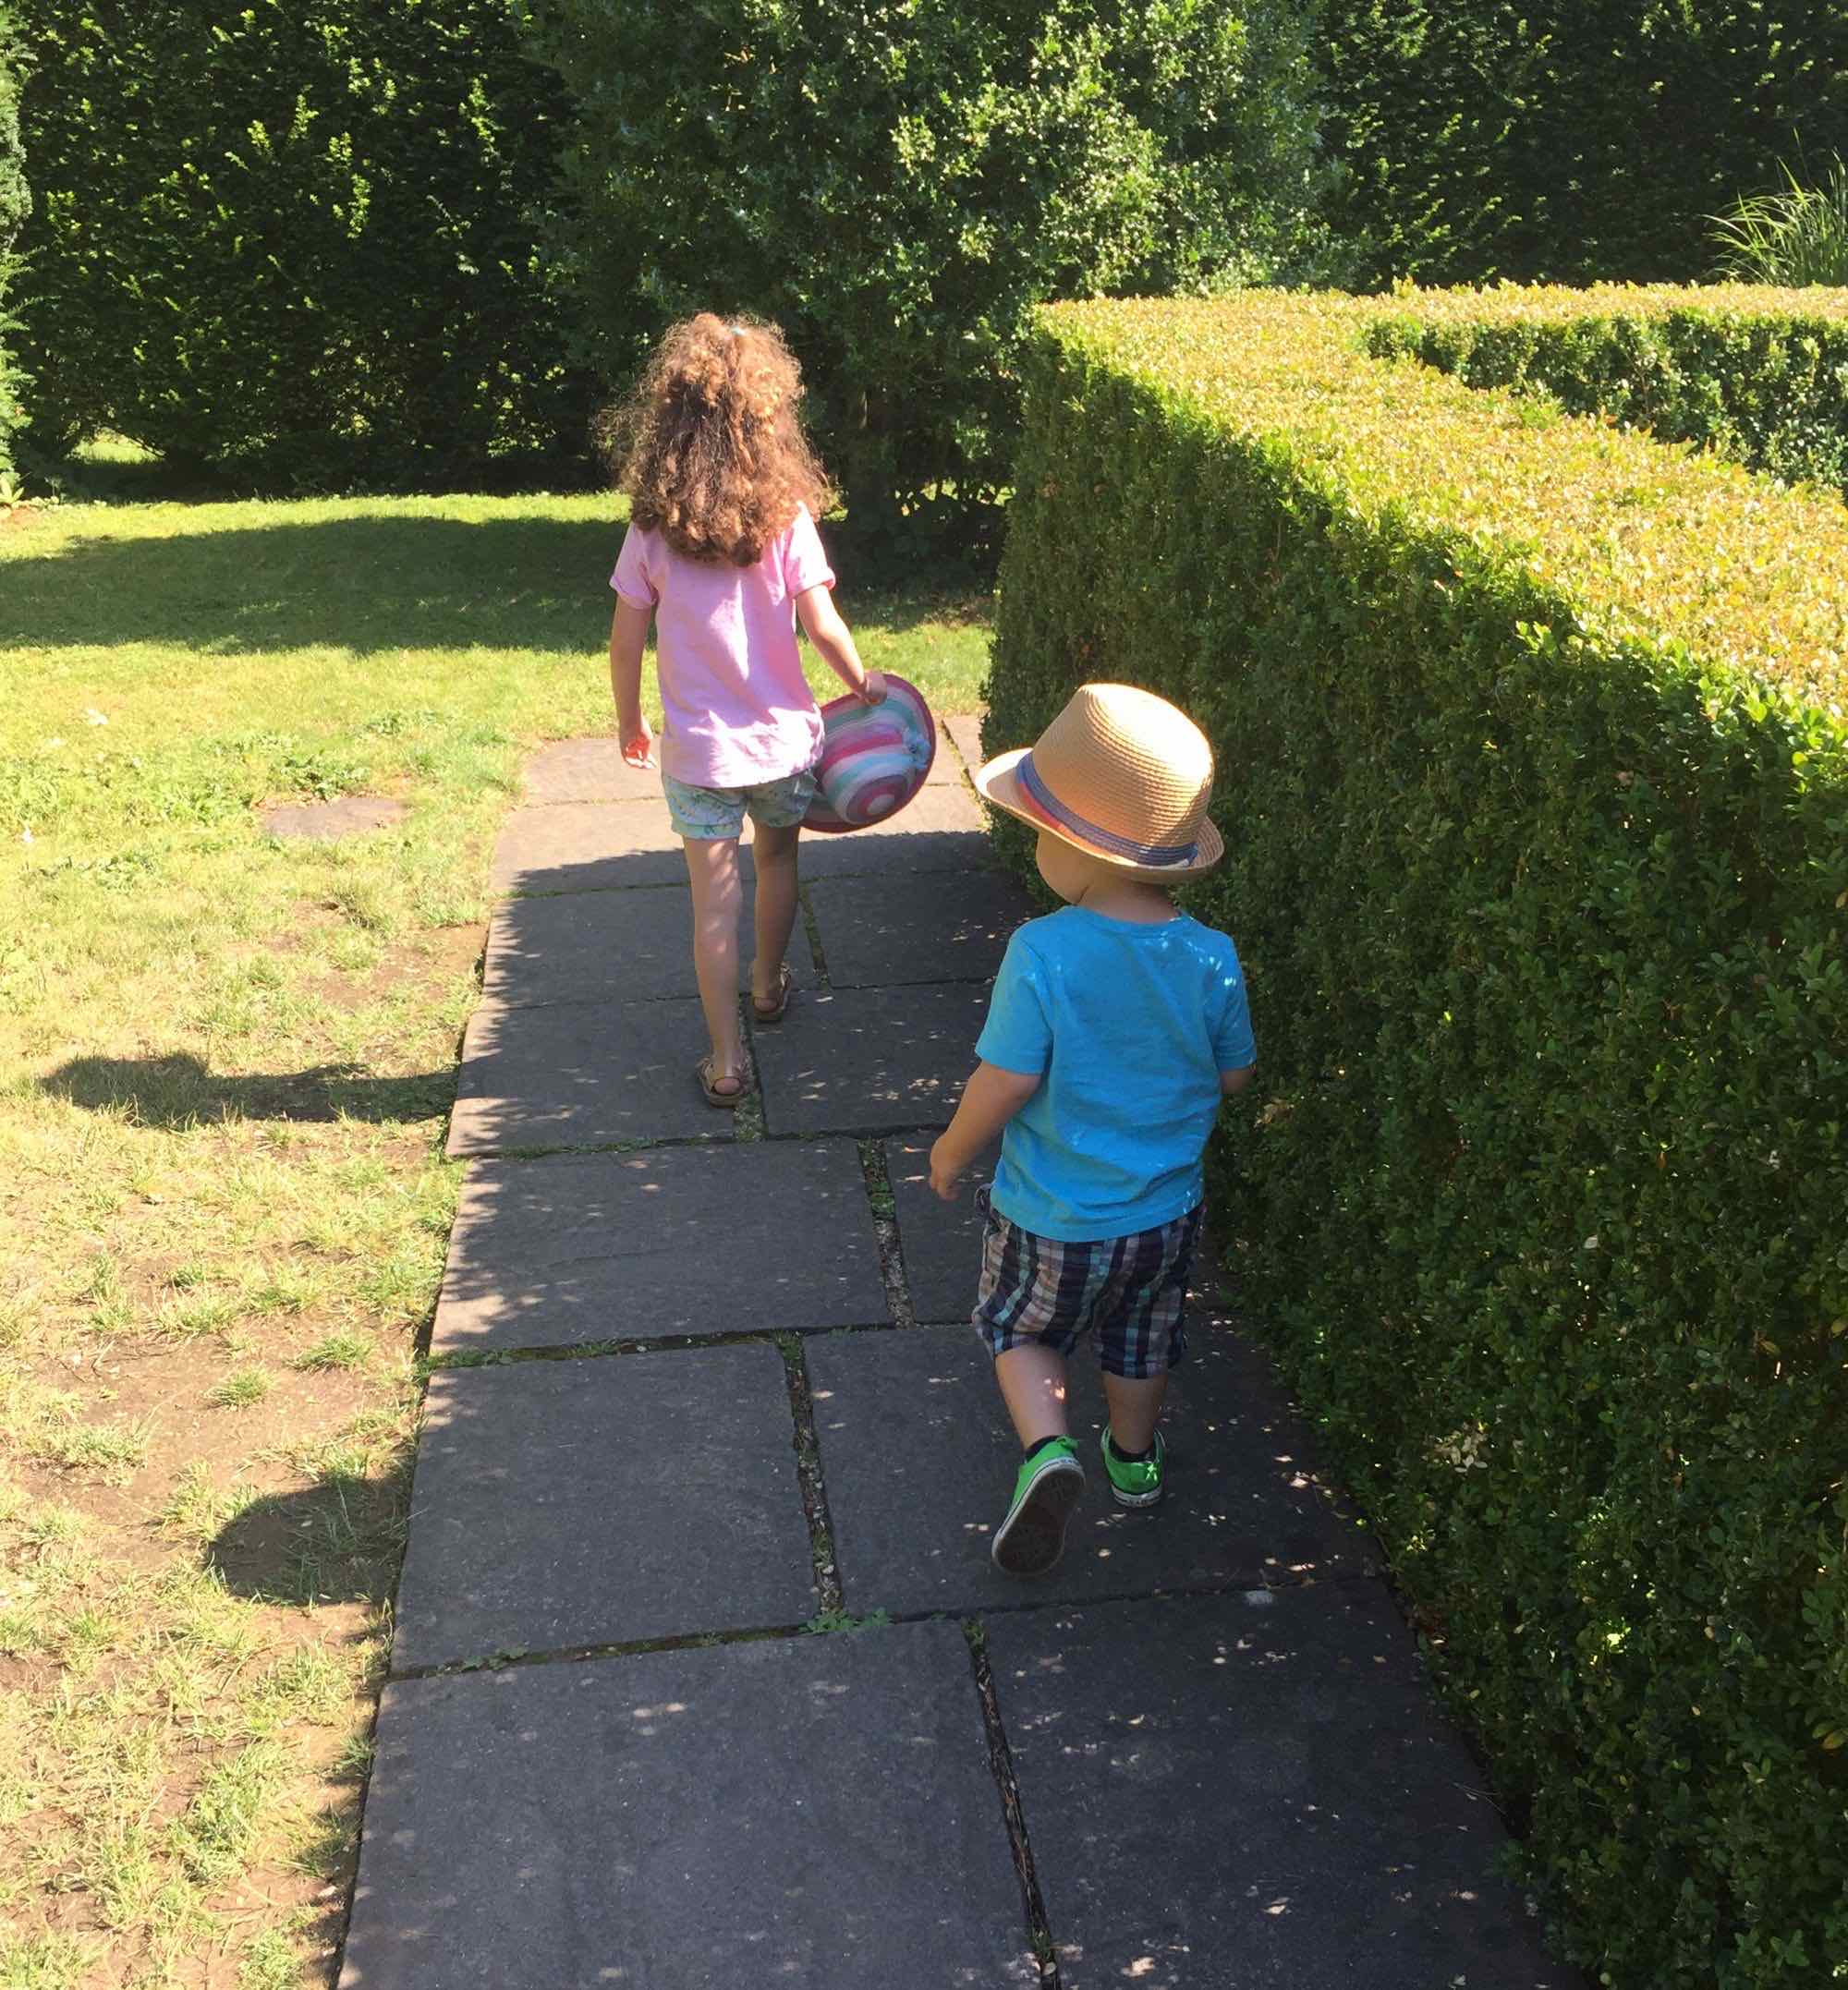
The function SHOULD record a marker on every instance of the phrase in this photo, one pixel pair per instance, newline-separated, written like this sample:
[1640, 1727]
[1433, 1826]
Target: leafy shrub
[1797, 236]
[1761, 377]
[296, 242]
[1535, 786]
[1568, 140]
[15, 205]
[896, 184]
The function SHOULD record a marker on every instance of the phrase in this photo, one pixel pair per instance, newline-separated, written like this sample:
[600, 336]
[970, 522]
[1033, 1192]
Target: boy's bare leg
[713, 870]
[1032, 1381]
[1135, 1409]
[774, 853]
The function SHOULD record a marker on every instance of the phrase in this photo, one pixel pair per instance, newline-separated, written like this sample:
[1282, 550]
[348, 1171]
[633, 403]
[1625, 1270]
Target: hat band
[1092, 832]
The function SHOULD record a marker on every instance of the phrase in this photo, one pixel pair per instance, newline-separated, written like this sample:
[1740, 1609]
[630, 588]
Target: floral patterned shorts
[709, 815]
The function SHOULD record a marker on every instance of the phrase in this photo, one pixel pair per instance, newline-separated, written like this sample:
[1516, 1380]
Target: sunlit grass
[225, 1067]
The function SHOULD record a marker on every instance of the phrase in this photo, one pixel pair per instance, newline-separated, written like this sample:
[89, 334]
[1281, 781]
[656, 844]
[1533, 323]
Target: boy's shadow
[178, 1091]
[336, 1541]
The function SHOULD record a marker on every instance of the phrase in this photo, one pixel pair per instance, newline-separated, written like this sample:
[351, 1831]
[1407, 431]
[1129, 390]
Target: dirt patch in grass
[446, 955]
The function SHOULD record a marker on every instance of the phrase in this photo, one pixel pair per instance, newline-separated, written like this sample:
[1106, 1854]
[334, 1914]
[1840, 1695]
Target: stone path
[702, 1673]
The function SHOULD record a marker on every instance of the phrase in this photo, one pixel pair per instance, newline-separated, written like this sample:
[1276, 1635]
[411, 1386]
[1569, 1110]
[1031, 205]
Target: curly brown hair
[712, 454]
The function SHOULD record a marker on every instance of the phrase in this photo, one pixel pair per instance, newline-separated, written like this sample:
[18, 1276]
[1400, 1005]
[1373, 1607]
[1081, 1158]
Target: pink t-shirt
[737, 710]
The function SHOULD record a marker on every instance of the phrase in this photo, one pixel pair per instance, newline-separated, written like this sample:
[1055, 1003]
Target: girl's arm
[833, 643]
[989, 1100]
[628, 638]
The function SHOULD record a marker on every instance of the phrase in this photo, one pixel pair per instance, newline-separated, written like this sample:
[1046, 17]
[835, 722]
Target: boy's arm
[1232, 1082]
[834, 644]
[989, 1100]
[628, 638]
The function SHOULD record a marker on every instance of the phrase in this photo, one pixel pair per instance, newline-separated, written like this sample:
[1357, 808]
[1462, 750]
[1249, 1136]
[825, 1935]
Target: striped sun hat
[874, 757]
[1122, 775]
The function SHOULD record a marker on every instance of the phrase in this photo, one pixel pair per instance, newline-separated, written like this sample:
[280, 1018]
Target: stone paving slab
[810, 1812]
[940, 1240]
[965, 730]
[919, 1460]
[588, 771]
[942, 830]
[1254, 1790]
[581, 1074]
[324, 821]
[573, 1249]
[870, 1060]
[949, 927]
[564, 1503]
[602, 946]
[586, 846]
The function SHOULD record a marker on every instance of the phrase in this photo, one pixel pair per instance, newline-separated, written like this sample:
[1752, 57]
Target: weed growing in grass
[342, 1350]
[240, 1390]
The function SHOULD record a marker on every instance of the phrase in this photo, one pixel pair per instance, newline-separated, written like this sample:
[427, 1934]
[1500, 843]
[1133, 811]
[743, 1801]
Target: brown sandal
[767, 1018]
[709, 1082]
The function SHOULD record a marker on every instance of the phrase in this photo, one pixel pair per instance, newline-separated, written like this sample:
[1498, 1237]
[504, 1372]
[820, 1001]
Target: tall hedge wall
[1535, 785]
[298, 242]
[898, 184]
[16, 203]
[1570, 140]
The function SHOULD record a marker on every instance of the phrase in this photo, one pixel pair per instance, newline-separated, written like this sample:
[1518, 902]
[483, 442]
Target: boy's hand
[945, 1176]
[637, 740]
[872, 689]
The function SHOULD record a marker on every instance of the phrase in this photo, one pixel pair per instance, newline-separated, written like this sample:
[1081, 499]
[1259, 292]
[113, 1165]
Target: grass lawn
[225, 1067]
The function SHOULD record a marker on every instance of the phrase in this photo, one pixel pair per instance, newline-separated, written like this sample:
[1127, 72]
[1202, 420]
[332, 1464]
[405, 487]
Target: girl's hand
[637, 742]
[871, 689]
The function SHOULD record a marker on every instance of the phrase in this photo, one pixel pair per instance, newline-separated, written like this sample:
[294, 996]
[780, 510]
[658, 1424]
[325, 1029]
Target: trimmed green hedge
[899, 185]
[295, 243]
[1535, 785]
[16, 203]
[1764, 383]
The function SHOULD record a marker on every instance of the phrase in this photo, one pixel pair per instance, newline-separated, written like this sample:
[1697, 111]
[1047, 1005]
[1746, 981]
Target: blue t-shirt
[1130, 1026]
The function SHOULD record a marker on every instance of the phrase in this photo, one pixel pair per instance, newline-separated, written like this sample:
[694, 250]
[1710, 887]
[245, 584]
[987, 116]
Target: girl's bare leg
[774, 853]
[713, 870]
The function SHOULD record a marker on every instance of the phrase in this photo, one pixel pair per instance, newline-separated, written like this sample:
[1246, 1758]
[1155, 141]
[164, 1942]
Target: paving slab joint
[830, 1600]
[670, 1343]
[747, 1119]
[511, 1656]
[885, 1227]
[1000, 1764]
[812, 928]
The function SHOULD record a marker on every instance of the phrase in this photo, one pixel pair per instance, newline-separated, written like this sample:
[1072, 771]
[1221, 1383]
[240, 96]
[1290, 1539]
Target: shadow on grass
[374, 582]
[364, 582]
[339, 1540]
[178, 1092]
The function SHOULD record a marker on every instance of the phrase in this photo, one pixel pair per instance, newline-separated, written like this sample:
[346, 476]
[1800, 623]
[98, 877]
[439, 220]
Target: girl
[722, 554]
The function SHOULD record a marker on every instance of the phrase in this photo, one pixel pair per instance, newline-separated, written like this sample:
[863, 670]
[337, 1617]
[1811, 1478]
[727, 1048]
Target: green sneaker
[1032, 1537]
[1135, 1481]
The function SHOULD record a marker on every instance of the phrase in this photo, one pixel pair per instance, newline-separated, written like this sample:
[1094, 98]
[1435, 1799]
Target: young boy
[1116, 1026]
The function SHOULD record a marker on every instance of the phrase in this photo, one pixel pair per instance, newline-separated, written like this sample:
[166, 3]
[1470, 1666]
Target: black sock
[1129, 1457]
[1034, 1450]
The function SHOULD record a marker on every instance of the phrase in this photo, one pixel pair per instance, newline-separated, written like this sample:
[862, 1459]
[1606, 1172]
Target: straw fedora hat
[1122, 775]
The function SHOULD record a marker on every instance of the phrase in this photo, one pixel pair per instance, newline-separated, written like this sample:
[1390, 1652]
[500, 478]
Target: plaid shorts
[1133, 1290]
